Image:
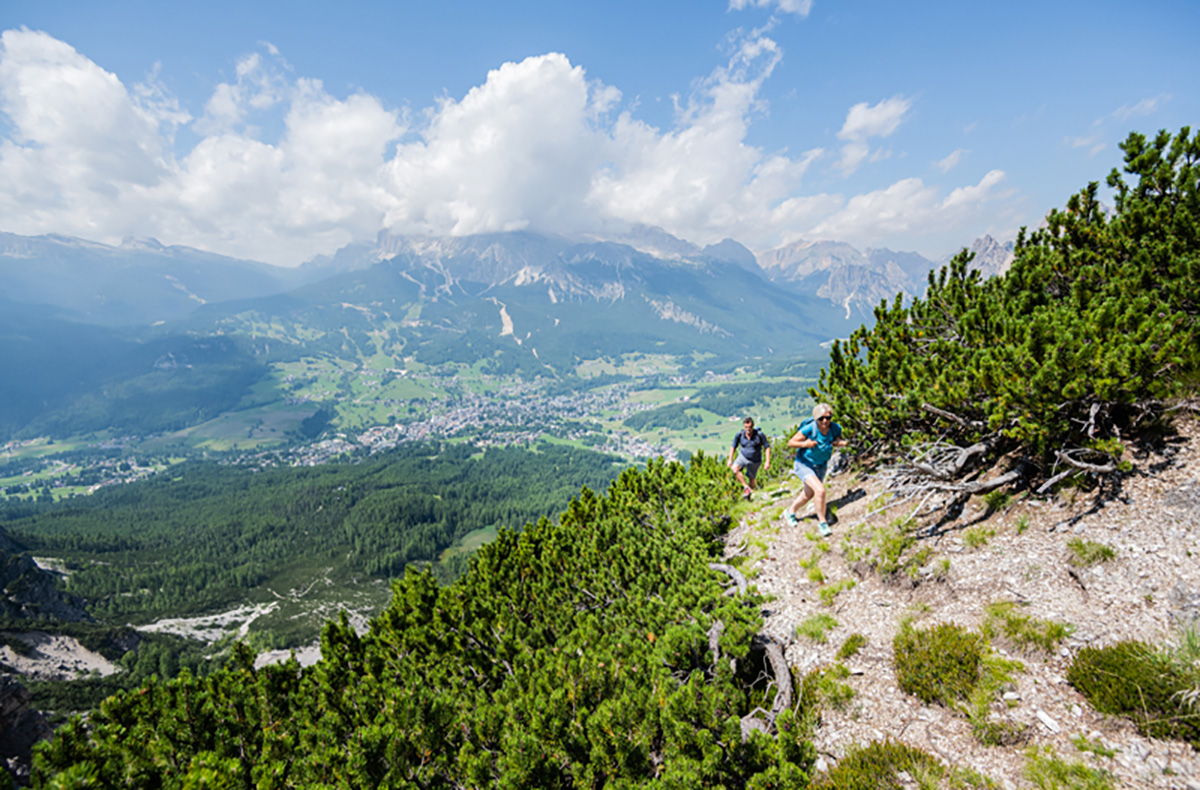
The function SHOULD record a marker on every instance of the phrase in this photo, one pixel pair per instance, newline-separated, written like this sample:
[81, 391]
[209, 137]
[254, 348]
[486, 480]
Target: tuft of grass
[1022, 524]
[816, 627]
[997, 499]
[998, 672]
[976, 537]
[1047, 771]
[1002, 619]
[831, 591]
[832, 689]
[816, 575]
[1088, 552]
[854, 643]
[1086, 744]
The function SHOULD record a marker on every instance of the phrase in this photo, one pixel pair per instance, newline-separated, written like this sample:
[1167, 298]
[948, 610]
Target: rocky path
[1020, 555]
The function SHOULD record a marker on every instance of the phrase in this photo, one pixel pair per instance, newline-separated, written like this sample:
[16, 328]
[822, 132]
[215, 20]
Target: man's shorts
[803, 470]
[751, 467]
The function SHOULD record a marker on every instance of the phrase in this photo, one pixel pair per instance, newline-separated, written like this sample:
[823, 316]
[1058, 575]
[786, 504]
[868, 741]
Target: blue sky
[277, 131]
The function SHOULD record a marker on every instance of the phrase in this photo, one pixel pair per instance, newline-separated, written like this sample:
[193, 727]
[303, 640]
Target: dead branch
[714, 639]
[732, 573]
[1100, 469]
[945, 415]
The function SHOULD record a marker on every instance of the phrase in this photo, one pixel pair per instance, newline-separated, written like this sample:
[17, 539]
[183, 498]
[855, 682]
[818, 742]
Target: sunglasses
[826, 418]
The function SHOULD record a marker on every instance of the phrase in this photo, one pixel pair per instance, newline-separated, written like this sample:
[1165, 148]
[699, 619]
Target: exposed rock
[20, 728]
[30, 592]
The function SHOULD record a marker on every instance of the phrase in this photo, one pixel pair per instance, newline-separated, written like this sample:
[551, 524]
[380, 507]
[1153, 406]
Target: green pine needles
[1095, 325]
[571, 654]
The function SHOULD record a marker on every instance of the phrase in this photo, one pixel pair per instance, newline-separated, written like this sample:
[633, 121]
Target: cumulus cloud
[908, 209]
[798, 7]
[865, 121]
[284, 170]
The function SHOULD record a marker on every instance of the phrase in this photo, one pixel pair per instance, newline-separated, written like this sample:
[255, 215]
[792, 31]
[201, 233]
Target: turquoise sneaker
[791, 519]
[824, 529]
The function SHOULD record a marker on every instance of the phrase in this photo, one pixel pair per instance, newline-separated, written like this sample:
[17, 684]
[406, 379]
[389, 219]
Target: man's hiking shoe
[747, 494]
[824, 529]
[791, 519]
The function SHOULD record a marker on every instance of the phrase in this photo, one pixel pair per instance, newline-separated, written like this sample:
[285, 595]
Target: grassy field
[262, 427]
[469, 543]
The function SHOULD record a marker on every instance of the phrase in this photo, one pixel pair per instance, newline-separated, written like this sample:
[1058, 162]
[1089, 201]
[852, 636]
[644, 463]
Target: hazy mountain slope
[139, 282]
[63, 377]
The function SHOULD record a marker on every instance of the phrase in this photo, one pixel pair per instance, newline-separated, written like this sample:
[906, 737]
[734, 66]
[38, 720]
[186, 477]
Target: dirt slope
[1153, 582]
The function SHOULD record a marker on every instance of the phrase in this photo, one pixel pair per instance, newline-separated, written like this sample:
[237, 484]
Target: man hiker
[814, 444]
[747, 454]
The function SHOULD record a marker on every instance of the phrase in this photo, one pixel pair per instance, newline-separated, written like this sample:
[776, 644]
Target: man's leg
[738, 476]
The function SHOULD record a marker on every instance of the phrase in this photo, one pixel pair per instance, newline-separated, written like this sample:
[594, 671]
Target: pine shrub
[1131, 679]
[943, 663]
[1097, 318]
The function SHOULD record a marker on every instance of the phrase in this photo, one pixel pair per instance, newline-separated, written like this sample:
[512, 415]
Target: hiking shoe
[747, 494]
[824, 529]
[791, 519]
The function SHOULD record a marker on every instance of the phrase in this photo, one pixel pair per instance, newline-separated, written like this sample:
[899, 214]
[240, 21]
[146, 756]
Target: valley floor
[1144, 593]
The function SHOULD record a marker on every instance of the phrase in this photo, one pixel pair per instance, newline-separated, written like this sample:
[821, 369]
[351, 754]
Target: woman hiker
[814, 444]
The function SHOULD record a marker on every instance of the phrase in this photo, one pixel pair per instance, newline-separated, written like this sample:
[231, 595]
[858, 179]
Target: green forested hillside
[214, 535]
[1092, 331]
[598, 651]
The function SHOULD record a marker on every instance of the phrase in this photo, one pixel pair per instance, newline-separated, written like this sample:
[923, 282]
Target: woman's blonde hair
[820, 409]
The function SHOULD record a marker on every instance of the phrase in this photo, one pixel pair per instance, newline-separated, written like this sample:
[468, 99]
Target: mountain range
[99, 328]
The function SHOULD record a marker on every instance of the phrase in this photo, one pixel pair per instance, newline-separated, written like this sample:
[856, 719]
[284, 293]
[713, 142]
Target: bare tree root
[757, 719]
[764, 720]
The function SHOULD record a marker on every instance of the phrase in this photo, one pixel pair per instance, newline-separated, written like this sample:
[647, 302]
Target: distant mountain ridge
[139, 282]
[88, 330]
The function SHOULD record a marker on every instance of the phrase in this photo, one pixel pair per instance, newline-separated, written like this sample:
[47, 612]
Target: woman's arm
[800, 441]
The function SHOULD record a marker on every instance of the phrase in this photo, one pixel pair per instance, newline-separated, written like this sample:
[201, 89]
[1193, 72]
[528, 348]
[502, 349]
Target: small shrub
[816, 575]
[816, 627]
[939, 664]
[854, 643]
[1088, 552]
[1047, 771]
[1003, 620]
[879, 765]
[1131, 679]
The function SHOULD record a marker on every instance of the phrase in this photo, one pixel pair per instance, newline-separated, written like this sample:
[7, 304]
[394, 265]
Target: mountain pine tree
[1092, 330]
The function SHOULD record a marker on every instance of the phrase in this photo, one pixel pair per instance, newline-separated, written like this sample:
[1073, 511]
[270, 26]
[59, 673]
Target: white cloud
[284, 170]
[865, 121]
[951, 161]
[1093, 143]
[878, 120]
[908, 210]
[798, 7]
[1142, 108]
